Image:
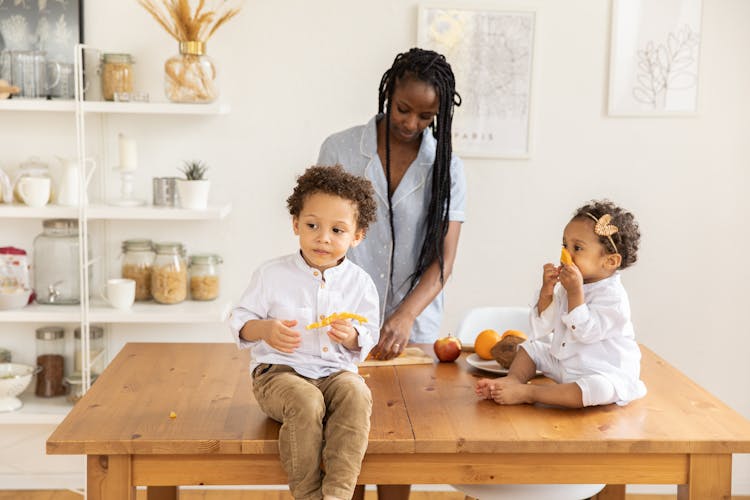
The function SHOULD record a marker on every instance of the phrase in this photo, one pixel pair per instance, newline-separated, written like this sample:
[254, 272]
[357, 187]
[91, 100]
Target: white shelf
[189, 311]
[161, 108]
[110, 212]
[38, 410]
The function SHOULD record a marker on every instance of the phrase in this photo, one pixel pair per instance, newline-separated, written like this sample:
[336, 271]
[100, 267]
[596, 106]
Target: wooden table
[427, 427]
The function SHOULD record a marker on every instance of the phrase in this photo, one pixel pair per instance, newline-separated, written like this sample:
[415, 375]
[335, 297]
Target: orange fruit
[485, 341]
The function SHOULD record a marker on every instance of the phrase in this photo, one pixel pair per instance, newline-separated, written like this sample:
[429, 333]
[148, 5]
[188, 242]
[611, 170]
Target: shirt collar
[331, 272]
[606, 282]
[369, 142]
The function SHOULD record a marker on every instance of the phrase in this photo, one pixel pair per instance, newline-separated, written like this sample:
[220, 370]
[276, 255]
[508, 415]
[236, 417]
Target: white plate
[488, 365]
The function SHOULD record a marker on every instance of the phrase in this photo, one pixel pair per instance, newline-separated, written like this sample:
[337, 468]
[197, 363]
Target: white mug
[34, 191]
[120, 293]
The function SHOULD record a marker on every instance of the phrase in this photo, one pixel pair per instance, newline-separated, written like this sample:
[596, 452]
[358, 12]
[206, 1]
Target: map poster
[491, 53]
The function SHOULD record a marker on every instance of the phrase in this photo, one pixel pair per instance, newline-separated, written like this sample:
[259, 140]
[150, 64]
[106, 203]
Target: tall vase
[190, 75]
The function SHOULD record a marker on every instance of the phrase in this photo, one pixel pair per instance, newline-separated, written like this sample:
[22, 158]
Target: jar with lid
[33, 167]
[169, 274]
[96, 347]
[204, 276]
[56, 265]
[137, 264]
[50, 347]
[117, 75]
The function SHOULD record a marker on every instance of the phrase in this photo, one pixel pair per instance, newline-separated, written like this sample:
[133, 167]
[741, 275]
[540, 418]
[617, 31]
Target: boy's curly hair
[628, 235]
[334, 180]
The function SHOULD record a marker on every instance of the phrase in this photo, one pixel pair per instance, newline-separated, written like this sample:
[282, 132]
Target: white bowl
[14, 379]
[15, 300]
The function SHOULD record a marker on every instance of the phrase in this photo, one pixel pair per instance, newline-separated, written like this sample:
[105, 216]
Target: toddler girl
[581, 333]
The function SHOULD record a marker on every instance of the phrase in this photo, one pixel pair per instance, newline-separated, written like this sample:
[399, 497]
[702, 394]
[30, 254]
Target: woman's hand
[394, 335]
[280, 335]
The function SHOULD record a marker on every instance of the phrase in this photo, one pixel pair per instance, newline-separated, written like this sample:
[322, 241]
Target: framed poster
[53, 26]
[654, 57]
[491, 53]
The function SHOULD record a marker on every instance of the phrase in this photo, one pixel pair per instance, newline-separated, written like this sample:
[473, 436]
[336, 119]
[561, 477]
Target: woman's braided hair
[429, 67]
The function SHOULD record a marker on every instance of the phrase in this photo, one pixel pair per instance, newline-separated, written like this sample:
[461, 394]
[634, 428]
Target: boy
[306, 376]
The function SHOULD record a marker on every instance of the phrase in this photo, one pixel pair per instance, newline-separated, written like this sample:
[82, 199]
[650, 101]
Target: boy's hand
[342, 332]
[281, 336]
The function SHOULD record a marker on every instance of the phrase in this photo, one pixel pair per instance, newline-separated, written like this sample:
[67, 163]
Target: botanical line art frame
[654, 57]
[491, 52]
[54, 26]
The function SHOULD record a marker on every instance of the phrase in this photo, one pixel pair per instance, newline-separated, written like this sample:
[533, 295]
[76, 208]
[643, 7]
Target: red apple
[447, 349]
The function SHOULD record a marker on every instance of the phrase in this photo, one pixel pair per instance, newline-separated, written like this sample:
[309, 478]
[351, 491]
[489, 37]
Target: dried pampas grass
[185, 25]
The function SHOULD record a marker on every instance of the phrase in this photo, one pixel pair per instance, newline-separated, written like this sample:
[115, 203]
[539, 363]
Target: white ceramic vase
[193, 194]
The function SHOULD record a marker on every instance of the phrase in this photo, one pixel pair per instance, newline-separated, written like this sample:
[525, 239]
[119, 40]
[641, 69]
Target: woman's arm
[397, 327]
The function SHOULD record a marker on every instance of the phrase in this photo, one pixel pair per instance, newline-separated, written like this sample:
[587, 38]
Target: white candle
[128, 154]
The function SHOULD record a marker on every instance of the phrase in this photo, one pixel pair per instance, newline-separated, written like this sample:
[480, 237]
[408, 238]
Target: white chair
[502, 318]
[497, 318]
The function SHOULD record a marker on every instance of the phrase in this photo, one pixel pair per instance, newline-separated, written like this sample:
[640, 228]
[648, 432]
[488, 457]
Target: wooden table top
[417, 409]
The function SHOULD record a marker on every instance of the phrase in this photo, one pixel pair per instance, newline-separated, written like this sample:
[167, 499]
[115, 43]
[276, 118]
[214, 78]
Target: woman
[421, 191]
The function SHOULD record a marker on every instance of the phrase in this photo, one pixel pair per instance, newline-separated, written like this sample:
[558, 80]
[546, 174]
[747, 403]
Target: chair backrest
[499, 318]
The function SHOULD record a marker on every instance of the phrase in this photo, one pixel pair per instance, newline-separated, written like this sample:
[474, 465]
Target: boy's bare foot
[482, 389]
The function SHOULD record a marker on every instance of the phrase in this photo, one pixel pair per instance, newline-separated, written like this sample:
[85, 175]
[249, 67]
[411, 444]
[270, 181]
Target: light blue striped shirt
[356, 150]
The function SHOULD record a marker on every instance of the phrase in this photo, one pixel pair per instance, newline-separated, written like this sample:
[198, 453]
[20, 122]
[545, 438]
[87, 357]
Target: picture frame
[654, 57]
[51, 26]
[491, 52]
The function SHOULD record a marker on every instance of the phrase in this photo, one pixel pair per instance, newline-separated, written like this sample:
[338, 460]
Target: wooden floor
[263, 495]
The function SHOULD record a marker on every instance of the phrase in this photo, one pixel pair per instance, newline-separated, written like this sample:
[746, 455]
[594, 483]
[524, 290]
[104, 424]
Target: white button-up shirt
[286, 288]
[356, 149]
[595, 337]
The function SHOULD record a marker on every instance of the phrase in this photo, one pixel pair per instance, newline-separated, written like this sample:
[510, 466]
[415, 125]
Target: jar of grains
[117, 75]
[50, 348]
[169, 274]
[204, 276]
[137, 263]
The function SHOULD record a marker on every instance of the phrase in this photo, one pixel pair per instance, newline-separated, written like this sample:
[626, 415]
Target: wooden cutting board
[410, 356]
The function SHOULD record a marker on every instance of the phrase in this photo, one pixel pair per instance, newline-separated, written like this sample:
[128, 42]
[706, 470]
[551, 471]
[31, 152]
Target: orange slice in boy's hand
[333, 317]
[565, 257]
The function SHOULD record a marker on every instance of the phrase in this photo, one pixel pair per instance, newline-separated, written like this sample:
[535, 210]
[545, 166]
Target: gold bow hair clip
[602, 227]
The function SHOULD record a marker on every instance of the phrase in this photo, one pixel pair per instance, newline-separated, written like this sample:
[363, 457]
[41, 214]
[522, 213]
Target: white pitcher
[70, 181]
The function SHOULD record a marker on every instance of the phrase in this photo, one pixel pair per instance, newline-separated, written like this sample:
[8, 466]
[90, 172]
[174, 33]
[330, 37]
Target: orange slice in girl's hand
[565, 257]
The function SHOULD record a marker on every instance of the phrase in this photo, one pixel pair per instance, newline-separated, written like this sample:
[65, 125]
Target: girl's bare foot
[509, 391]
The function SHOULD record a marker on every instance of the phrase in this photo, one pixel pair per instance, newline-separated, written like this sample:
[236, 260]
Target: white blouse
[286, 288]
[595, 337]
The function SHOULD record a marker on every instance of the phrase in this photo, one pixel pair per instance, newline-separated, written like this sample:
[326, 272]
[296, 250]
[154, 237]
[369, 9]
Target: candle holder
[126, 190]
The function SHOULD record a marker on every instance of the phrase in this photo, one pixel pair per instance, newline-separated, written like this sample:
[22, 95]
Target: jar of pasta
[169, 273]
[117, 75]
[204, 276]
[137, 263]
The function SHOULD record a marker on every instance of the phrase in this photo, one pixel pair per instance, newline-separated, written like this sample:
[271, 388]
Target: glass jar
[169, 274]
[74, 385]
[15, 286]
[56, 265]
[96, 347]
[117, 75]
[33, 167]
[137, 264]
[204, 276]
[50, 347]
[190, 75]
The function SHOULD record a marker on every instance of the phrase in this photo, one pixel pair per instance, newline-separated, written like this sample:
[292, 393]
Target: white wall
[295, 71]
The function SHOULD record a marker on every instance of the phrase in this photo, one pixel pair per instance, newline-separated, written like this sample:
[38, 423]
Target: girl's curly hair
[628, 235]
[334, 180]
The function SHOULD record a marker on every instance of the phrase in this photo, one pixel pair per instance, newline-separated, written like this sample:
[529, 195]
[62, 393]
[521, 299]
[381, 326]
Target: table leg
[710, 476]
[611, 492]
[108, 477]
[162, 493]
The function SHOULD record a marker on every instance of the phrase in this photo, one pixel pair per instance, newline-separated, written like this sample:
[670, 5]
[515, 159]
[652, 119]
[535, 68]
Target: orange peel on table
[333, 317]
[565, 257]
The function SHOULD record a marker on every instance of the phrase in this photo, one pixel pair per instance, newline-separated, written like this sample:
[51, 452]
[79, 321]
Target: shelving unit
[92, 310]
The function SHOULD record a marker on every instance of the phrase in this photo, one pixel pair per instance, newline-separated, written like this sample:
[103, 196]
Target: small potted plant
[193, 189]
